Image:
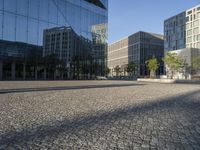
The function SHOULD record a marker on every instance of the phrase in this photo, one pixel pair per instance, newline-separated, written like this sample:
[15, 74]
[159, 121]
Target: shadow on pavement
[20, 90]
[172, 120]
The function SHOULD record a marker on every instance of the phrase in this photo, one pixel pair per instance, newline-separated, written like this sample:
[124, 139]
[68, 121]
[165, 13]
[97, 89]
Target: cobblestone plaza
[99, 115]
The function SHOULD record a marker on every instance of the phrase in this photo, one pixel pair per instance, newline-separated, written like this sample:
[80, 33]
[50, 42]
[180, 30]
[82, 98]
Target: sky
[129, 16]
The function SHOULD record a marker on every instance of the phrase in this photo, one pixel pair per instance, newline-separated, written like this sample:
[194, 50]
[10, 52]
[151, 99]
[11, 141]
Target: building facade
[136, 48]
[193, 27]
[182, 36]
[23, 22]
[175, 32]
[183, 30]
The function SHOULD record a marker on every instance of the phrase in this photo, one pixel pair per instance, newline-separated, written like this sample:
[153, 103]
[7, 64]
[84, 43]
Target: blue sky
[129, 16]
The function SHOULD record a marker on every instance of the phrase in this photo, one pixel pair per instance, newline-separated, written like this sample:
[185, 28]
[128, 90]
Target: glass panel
[22, 7]
[10, 5]
[62, 17]
[1, 22]
[42, 26]
[51, 25]
[21, 29]
[32, 31]
[43, 10]
[1, 4]
[53, 11]
[9, 27]
[34, 8]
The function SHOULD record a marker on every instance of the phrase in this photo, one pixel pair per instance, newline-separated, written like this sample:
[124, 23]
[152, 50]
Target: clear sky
[129, 16]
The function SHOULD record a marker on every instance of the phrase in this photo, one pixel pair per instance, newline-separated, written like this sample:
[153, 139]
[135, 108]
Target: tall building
[137, 48]
[183, 30]
[193, 27]
[182, 36]
[174, 32]
[22, 23]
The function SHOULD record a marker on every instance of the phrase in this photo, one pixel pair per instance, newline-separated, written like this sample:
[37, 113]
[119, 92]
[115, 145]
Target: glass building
[22, 22]
[183, 30]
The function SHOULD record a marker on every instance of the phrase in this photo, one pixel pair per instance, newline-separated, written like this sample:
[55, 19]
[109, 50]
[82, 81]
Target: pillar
[13, 71]
[24, 71]
[45, 74]
[1, 70]
[36, 73]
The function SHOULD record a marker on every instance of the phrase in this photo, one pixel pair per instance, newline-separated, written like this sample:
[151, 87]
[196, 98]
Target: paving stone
[99, 115]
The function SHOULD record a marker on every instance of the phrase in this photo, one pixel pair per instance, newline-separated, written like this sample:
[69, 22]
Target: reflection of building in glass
[136, 48]
[63, 43]
[99, 47]
[23, 21]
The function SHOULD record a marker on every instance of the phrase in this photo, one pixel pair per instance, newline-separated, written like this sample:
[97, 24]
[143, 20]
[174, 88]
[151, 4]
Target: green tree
[117, 69]
[131, 68]
[107, 71]
[173, 62]
[152, 65]
[196, 64]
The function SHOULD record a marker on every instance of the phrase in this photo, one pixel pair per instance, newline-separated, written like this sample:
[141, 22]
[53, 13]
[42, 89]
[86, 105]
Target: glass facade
[175, 32]
[24, 21]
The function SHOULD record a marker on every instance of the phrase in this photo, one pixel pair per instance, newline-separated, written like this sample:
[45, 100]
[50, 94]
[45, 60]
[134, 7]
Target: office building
[183, 30]
[136, 48]
[22, 23]
[182, 36]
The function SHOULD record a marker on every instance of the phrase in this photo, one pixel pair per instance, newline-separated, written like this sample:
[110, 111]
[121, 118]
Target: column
[1, 70]
[13, 71]
[24, 71]
[36, 73]
[45, 74]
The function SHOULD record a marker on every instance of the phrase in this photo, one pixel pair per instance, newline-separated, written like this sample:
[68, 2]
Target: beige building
[193, 27]
[136, 48]
[118, 54]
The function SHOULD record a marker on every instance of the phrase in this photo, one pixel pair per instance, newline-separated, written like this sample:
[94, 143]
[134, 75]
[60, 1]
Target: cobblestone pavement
[99, 115]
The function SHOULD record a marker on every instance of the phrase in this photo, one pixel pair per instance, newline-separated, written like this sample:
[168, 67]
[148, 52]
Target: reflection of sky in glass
[25, 20]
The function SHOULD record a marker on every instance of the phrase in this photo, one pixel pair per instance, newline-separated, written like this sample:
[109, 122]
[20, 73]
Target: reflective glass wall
[25, 20]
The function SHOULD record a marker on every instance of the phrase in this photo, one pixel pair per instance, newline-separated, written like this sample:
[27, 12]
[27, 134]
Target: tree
[173, 62]
[50, 65]
[196, 64]
[131, 68]
[152, 65]
[107, 71]
[117, 69]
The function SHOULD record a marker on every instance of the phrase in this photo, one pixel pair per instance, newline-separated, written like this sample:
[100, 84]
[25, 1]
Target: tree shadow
[172, 121]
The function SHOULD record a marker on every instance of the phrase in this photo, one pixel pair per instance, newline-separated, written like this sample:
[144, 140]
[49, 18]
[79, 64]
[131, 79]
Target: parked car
[101, 78]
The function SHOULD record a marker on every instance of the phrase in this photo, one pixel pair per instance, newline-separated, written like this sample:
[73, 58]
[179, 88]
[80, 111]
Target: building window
[196, 30]
[189, 32]
[187, 26]
[189, 12]
[198, 15]
[196, 23]
[198, 37]
[189, 39]
[198, 45]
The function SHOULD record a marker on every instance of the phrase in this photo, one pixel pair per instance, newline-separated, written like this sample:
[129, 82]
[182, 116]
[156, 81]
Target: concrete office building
[22, 23]
[182, 35]
[137, 48]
